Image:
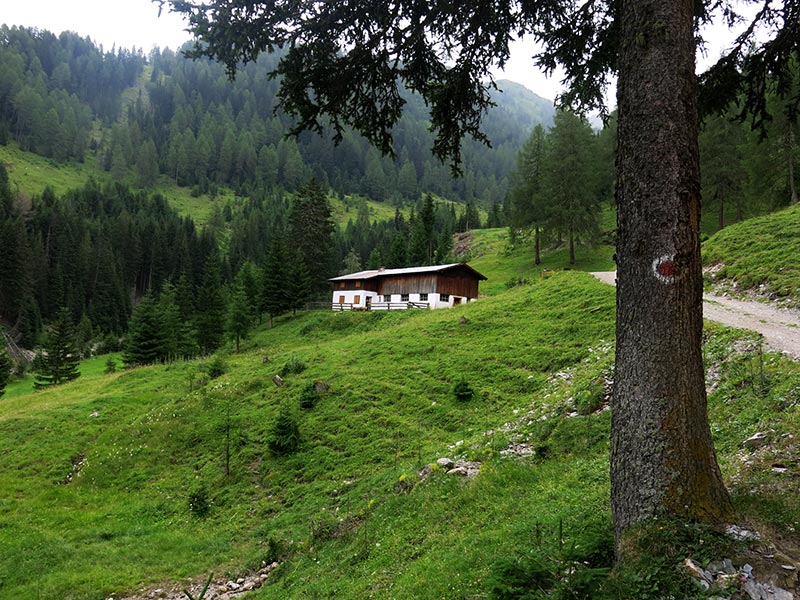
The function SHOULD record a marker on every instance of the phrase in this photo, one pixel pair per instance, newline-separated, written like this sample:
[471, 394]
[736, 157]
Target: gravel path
[779, 326]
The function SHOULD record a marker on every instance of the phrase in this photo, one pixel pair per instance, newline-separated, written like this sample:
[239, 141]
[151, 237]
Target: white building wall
[349, 297]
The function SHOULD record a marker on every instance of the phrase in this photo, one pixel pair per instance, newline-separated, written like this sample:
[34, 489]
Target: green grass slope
[759, 254]
[489, 252]
[93, 505]
[151, 476]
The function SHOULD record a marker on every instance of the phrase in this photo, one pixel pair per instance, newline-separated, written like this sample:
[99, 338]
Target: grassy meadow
[157, 475]
[758, 254]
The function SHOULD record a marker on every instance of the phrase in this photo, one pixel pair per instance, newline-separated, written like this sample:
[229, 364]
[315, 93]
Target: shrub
[111, 365]
[293, 366]
[462, 391]
[589, 399]
[216, 367]
[199, 503]
[309, 396]
[285, 434]
[517, 282]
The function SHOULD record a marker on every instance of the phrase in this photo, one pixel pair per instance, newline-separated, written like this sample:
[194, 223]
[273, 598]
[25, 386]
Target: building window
[358, 284]
[423, 297]
[403, 297]
[444, 297]
[387, 298]
[341, 285]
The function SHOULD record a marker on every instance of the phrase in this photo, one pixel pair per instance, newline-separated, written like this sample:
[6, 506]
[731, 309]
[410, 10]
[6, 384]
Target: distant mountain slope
[141, 117]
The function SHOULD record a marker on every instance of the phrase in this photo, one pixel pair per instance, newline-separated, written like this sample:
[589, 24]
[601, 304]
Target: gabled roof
[371, 274]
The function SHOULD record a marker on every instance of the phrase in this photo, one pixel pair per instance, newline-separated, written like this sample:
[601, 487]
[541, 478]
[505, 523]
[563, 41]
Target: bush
[517, 282]
[285, 434]
[199, 504]
[293, 366]
[111, 365]
[309, 396]
[216, 367]
[462, 391]
[589, 399]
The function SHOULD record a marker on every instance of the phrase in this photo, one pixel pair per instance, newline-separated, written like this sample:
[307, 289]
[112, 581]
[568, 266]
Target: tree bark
[537, 255]
[571, 246]
[662, 455]
[790, 162]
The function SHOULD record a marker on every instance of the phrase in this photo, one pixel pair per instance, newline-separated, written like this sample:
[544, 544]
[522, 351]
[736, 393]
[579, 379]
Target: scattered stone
[759, 591]
[321, 387]
[722, 566]
[445, 463]
[519, 449]
[757, 440]
[94, 415]
[465, 468]
[463, 320]
[789, 567]
[278, 380]
[699, 574]
[458, 471]
[738, 533]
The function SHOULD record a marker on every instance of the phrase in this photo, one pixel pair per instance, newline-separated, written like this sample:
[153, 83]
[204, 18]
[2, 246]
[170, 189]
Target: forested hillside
[144, 115]
[98, 249]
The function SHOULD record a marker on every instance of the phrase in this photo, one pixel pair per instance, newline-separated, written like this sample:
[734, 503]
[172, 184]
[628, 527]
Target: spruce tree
[311, 231]
[210, 308]
[298, 287]
[238, 321]
[423, 241]
[571, 192]
[180, 337]
[274, 288]
[147, 341]
[6, 369]
[59, 363]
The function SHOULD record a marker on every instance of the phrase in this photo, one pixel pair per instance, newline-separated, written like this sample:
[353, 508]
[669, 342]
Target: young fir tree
[59, 363]
[147, 338]
[180, 338]
[274, 286]
[237, 323]
[298, 287]
[210, 308]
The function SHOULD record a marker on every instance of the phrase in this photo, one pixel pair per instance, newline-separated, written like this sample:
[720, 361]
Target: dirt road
[779, 326]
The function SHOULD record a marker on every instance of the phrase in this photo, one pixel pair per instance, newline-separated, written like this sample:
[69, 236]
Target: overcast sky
[136, 24]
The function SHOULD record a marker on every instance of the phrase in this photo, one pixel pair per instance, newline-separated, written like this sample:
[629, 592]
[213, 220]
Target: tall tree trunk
[662, 456]
[790, 141]
[536, 253]
[571, 245]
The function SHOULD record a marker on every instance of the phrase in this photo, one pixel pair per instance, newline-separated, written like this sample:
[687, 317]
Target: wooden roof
[373, 273]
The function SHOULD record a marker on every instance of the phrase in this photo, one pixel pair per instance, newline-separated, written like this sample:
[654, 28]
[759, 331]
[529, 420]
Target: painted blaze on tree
[345, 61]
